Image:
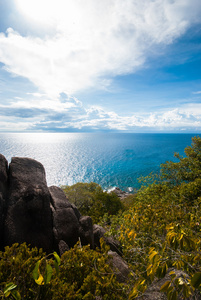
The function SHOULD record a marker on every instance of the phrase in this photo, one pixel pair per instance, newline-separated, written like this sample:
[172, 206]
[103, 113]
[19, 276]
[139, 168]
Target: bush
[82, 273]
[91, 200]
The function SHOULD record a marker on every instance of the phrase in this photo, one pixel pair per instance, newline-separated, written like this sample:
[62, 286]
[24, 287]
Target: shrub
[91, 200]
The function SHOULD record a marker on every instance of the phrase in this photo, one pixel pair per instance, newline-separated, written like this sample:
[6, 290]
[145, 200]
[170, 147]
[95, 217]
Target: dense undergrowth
[159, 229]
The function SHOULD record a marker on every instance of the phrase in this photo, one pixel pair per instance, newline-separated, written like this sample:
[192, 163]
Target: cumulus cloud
[72, 116]
[88, 42]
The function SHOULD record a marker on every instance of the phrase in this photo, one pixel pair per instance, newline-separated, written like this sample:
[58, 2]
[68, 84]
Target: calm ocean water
[110, 159]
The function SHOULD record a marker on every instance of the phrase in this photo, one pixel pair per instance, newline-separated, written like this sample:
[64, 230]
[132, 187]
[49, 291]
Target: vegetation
[81, 273]
[159, 230]
[92, 201]
[162, 228]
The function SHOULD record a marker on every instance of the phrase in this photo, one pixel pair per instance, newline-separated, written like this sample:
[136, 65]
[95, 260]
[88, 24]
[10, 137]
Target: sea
[109, 159]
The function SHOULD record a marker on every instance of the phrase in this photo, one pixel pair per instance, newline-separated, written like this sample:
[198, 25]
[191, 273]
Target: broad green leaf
[48, 273]
[36, 271]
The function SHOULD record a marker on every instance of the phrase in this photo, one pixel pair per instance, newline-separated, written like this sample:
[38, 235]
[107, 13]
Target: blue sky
[128, 66]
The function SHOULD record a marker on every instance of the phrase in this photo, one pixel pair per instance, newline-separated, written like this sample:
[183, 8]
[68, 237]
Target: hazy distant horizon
[111, 159]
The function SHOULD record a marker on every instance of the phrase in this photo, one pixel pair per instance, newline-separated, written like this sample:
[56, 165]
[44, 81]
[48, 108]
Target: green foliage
[91, 200]
[10, 291]
[81, 273]
[86, 274]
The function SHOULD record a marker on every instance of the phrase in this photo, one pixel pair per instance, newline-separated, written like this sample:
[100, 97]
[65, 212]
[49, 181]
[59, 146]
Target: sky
[106, 66]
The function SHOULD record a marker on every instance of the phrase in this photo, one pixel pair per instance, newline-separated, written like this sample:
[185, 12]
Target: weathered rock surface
[65, 222]
[119, 267]
[3, 194]
[28, 214]
[86, 231]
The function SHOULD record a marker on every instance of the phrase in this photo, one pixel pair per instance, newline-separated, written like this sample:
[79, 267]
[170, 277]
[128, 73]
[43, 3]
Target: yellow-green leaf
[165, 286]
[40, 280]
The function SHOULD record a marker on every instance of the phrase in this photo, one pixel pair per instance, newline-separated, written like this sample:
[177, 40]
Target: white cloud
[197, 93]
[88, 42]
[71, 115]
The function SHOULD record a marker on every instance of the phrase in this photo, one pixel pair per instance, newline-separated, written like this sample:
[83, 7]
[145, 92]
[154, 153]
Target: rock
[76, 211]
[86, 231]
[28, 218]
[99, 232]
[119, 266]
[3, 194]
[121, 194]
[3, 176]
[65, 223]
[40, 216]
[63, 247]
[153, 291]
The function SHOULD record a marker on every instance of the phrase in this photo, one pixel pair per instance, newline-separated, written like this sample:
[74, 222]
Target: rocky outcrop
[65, 223]
[40, 216]
[28, 213]
[121, 194]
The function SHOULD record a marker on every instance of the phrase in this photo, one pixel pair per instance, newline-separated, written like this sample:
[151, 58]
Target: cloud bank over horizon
[85, 45]
[48, 115]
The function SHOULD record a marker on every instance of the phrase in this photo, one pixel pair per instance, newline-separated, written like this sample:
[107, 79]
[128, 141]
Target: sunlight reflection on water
[108, 159]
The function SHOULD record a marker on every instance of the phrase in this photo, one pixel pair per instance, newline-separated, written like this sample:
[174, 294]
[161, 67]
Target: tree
[188, 168]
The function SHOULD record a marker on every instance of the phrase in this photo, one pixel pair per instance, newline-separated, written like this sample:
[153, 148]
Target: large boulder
[65, 222]
[68, 224]
[119, 266]
[86, 231]
[3, 194]
[28, 218]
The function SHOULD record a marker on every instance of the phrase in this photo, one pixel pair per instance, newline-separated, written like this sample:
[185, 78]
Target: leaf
[9, 287]
[48, 273]
[57, 258]
[7, 294]
[56, 267]
[165, 286]
[153, 256]
[16, 295]
[196, 280]
[40, 280]
[36, 271]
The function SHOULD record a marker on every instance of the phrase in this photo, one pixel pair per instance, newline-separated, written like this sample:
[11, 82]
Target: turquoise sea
[110, 159]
